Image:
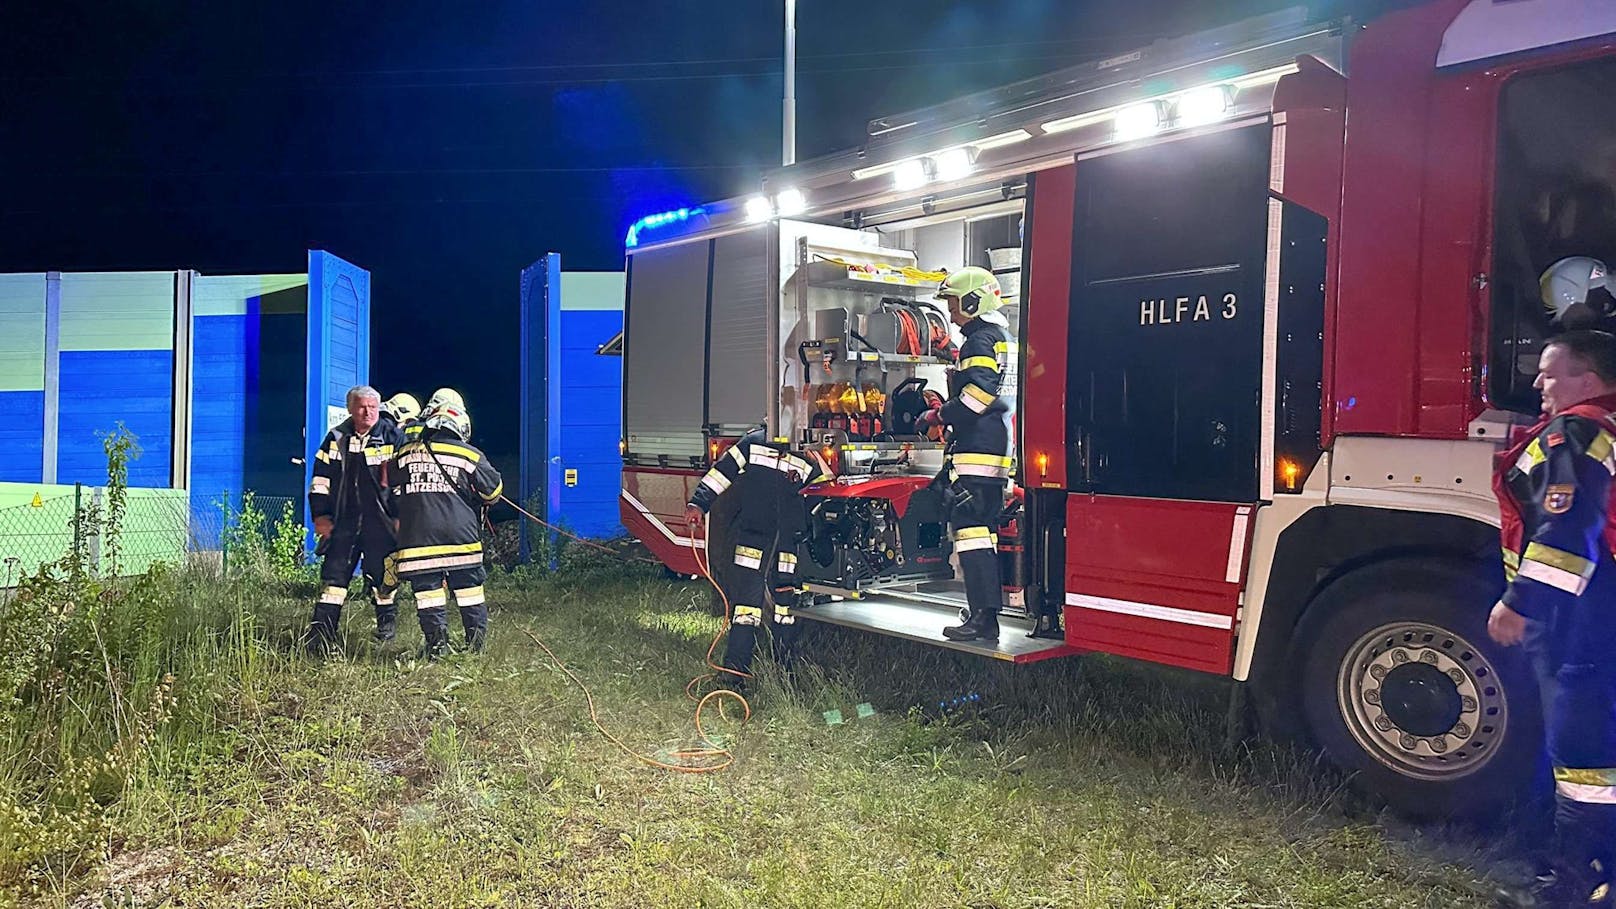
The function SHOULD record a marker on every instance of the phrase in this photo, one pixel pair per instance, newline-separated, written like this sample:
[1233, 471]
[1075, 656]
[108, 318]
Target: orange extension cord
[710, 757]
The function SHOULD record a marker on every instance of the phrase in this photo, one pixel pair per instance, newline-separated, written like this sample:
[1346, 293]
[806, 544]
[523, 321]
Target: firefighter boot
[738, 655]
[980, 625]
[323, 637]
[434, 632]
[785, 647]
[386, 623]
[474, 619]
[1566, 888]
[783, 634]
[980, 565]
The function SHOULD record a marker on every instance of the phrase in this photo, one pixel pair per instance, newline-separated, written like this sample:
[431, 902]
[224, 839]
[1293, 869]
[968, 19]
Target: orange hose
[711, 751]
[590, 543]
[717, 758]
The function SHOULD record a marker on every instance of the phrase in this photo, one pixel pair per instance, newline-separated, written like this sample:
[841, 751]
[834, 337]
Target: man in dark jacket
[440, 485]
[347, 504]
[976, 465]
[1554, 494]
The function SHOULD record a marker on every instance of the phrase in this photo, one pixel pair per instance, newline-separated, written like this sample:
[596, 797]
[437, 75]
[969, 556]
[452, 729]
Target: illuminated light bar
[1079, 121]
[1137, 121]
[864, 173]
[954, 164]
[910, 174]
[1201, 106]
[661, 219]
[790, 202]
[1265, 77]
[1089, 118]
[999, 140]
[758, 209]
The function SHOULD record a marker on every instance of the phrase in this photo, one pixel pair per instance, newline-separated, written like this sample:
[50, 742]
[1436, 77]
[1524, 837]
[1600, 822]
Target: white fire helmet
[445, 395]
[1569, 285]
[402, 407]
[451, 418]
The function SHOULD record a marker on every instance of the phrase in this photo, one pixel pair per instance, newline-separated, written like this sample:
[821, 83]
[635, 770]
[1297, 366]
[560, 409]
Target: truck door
[1165, 392]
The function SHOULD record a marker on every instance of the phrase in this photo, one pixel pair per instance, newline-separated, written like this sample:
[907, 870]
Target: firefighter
[441, 484]
[402, 409]
[347, 503]
[976, 462]
[443, 396]
[1555, 497]
[767, 478]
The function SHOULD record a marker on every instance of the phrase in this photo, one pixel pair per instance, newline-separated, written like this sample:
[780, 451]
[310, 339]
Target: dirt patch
[138, 878]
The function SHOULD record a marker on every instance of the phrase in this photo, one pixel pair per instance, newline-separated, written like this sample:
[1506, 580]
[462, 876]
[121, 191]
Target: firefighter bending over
[440, 484]
[347, 500]
[976, 462]
[1555, 498]
[768, 478]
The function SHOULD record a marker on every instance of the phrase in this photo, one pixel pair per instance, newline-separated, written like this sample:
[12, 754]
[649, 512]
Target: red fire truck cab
[1275, 289]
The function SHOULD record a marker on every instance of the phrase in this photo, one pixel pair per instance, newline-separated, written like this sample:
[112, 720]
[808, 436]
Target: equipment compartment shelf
[892, 446]
[840, 277]
[869, 356]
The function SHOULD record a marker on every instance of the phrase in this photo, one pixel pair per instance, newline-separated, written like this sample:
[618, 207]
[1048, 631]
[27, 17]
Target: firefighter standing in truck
[768, 478]
[976, 464]
[1554, 491]
[440, 484]
[347, 504]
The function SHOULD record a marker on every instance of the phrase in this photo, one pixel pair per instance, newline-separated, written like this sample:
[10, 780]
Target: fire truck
[1276, 293]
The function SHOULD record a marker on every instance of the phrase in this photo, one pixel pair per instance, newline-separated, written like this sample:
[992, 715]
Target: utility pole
[789, 143]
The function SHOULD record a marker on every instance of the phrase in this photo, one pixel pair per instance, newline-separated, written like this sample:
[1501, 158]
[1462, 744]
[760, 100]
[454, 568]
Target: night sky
[443, 146]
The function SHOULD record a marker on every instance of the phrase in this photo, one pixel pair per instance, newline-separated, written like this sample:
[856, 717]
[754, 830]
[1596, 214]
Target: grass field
[273, 780]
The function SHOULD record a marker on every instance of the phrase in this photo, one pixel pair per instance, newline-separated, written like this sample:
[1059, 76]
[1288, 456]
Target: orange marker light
[1043, 463]
[1290, 472]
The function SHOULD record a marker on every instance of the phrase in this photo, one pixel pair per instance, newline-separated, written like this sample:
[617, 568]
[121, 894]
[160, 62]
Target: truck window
[1555, 196]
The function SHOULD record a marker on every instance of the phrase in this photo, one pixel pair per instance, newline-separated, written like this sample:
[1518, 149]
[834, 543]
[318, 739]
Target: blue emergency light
[660, 219]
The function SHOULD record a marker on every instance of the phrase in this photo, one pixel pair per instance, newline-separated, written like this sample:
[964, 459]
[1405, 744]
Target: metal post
[78, 516]
[95, 532]
[53, 374]
[789, 147]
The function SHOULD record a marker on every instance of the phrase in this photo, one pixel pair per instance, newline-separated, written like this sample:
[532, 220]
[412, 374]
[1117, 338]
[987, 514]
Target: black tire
[1417, 629]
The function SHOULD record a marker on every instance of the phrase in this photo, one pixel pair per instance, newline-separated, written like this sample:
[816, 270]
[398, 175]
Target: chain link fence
[157, 525]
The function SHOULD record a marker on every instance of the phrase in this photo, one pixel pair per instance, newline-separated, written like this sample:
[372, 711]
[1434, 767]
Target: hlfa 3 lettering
[1188, 309]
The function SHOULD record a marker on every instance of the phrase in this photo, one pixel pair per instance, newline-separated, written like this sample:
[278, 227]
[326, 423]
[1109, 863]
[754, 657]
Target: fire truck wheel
[1400, 684]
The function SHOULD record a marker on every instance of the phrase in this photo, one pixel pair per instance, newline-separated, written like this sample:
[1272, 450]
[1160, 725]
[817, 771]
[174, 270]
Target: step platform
[899, 615]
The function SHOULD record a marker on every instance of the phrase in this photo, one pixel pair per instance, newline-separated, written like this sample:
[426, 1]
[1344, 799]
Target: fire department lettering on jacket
[1188, 309]
[443, 469]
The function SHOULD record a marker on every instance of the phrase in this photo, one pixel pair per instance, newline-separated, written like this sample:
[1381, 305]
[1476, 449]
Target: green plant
[255, 546]
[121, 447]
[286, 549]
